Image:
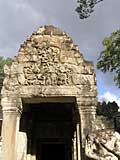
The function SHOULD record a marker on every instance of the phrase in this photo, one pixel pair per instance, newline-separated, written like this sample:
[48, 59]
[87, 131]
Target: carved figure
[103, 145]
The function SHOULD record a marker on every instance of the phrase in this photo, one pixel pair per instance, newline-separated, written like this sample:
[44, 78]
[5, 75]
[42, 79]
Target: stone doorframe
[76, 118]
[12, 110]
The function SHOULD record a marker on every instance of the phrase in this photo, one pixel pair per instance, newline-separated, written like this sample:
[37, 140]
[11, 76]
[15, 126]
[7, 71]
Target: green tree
[3, 61]
[109, 60]
[86, 7]
[107, 109]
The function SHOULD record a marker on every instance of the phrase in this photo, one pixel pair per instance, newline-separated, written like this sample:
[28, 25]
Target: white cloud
[107, 96]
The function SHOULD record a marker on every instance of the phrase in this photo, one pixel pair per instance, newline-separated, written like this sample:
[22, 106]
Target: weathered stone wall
[104, 123]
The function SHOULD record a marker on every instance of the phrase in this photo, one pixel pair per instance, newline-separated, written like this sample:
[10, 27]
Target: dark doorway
[51, 152]
[49, 128]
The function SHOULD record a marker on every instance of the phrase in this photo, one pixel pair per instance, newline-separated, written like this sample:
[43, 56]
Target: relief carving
[48, 70]
[49, 74]
[11, 83]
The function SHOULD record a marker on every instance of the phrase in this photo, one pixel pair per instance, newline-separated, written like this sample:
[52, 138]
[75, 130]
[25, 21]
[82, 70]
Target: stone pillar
[78, 142]
[9, 130]
[21, 146]
[87, 112]
[75, 147]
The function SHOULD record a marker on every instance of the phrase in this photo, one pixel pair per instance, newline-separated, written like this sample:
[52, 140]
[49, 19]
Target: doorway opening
[51, 151]
[50, 129]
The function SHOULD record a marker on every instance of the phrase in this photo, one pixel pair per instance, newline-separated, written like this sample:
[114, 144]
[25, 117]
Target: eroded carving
[47, 74]
[11, 83]
[103, 145]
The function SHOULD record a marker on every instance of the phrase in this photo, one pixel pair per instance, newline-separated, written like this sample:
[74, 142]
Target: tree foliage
[109, 59]
[86, 7]
[4, 61]
[107, 109]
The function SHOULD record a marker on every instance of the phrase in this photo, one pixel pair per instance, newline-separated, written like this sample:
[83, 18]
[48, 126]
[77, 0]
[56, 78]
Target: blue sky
[19, 18]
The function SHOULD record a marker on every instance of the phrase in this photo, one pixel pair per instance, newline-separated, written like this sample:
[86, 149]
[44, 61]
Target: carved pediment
[48, 58]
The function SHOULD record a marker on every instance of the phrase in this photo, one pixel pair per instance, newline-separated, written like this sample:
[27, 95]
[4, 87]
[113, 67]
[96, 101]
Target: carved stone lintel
[49, 74]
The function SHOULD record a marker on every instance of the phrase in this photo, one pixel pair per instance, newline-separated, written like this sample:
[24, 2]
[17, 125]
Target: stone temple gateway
[48, 99]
